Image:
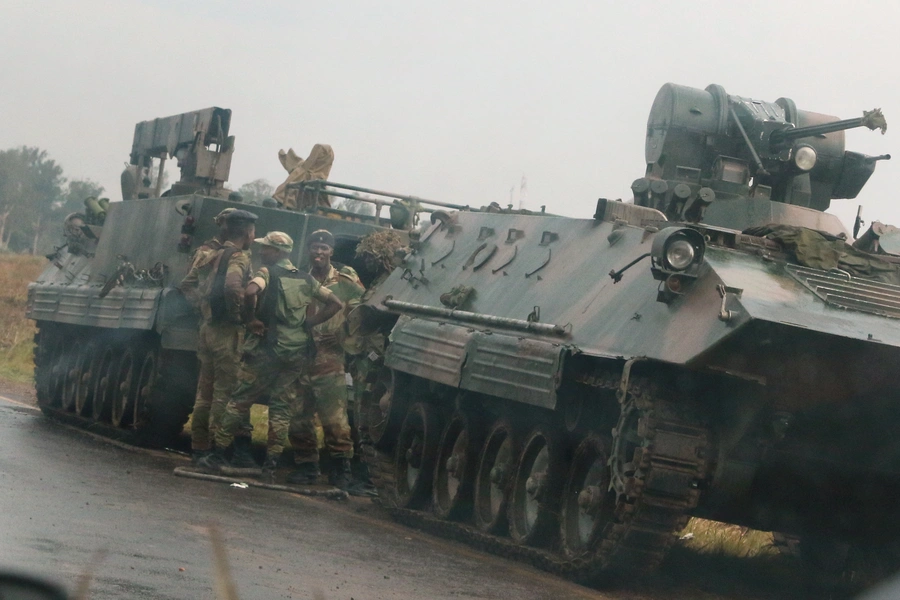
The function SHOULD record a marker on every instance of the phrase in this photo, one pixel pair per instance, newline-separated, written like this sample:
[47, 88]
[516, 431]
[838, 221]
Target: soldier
[277, 353]
[215, 243]
[216, 283]
[380, 251]
[326, 393]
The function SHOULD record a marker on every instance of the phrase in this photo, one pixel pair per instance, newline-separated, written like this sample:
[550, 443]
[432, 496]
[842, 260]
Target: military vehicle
[116, 342]
[570, 391]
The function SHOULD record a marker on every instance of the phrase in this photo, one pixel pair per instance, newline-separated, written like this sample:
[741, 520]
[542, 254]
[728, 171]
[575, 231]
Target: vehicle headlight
[680, 254]
[805, 157]
[677, 249]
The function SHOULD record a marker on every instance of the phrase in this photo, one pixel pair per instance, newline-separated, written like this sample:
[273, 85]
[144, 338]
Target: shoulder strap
[217, 306]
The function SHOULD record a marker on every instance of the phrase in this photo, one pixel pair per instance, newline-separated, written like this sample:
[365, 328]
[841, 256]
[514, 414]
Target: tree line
[35, 198]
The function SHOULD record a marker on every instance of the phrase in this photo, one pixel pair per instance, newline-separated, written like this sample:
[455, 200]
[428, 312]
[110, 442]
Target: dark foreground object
[331, 494]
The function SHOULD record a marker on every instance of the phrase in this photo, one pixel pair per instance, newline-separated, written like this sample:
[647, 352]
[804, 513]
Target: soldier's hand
[257, 327]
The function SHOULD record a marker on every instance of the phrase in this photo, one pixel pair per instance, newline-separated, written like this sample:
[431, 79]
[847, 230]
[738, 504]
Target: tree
[256, 191]
[75, 194]
[30, 188]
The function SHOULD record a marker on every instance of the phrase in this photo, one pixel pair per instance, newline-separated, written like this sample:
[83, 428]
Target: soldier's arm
[190, 286]
[251, 298]
[332, 306]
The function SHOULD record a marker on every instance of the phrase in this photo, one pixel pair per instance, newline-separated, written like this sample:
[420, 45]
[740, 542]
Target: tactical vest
[286, 331]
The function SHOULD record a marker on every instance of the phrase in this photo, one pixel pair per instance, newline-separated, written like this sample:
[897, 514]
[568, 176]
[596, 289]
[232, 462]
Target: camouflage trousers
[263, 373]
[324, 393]
[219, 352]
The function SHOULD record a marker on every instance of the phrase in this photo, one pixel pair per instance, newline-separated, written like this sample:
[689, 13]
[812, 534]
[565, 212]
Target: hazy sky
[451, 101]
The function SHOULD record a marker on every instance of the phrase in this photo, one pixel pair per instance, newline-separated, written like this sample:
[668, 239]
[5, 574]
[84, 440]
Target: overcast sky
[452, 101]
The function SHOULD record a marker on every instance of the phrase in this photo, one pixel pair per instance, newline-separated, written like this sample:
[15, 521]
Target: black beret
[240, 215]
[321, 236]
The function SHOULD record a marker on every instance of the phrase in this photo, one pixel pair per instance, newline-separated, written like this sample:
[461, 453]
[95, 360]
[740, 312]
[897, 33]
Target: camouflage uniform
[219, 348]
[325, 390]
[366, 350]
[275, 364]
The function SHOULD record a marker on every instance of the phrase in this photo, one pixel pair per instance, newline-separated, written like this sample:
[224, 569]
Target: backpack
[286, 329]
[218, 307]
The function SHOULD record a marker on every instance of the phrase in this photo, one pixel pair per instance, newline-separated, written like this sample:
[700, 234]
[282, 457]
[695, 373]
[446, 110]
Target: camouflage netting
[381, 248]
[314, 167]
[816, 250]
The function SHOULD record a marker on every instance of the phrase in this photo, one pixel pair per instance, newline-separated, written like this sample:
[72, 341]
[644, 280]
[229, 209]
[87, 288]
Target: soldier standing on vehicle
[326, 393]
[216, 283]
[278, 351]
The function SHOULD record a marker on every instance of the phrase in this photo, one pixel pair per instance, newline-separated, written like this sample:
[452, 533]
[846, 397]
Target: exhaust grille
[840, 289]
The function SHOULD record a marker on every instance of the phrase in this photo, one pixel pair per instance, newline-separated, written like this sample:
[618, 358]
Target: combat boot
[268, 470]
[304, 474]
[197, 456]
[242, 457]
[213, 462]
[339, 474]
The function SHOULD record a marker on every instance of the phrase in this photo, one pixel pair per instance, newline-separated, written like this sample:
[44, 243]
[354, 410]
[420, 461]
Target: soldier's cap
[220, 218]
[321, 236]
[276, 239]
[238, 215]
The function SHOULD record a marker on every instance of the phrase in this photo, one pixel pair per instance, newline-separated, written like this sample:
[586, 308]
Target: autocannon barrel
[873, 119]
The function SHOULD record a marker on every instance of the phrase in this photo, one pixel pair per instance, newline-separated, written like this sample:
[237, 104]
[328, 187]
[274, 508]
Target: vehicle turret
[737, 162]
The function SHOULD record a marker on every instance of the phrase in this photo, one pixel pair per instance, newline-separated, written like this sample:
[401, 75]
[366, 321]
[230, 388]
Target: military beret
[321, 236]
[277, 239]
[240, 215]
[220, 218]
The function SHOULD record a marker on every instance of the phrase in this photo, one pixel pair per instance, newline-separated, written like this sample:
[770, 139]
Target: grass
[259, 418]
[17, 332]
[710, 537]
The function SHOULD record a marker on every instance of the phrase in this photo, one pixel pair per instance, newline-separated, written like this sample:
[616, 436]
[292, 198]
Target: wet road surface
[65, 494]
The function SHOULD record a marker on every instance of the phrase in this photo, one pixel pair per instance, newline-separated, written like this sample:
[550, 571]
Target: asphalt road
[66, 494]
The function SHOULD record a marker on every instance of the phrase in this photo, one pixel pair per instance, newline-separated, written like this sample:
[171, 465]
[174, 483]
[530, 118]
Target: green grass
[17, 332]
[711, 537]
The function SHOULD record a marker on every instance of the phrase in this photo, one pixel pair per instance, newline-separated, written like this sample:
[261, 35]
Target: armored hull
[116, 347]
[571, 391]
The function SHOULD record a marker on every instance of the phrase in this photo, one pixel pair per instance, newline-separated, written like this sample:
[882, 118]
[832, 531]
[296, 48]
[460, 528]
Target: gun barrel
[788, 135]
[873, 119]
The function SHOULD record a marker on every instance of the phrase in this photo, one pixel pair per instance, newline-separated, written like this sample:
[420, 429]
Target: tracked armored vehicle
[116, 343]
[570, 391]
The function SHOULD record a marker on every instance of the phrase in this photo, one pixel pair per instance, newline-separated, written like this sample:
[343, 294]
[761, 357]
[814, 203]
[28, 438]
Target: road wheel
[586, 502]
[147, 382]
[415, 454]
[457, 461]
[123, 389]
[496, 465]
[43, 362]
[104, 384]
[86, 369]
[71, 376]
[536, 488]
[58, 365]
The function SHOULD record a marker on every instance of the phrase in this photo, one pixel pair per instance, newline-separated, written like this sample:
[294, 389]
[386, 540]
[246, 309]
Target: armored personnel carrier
[571, 391]
[116, 342]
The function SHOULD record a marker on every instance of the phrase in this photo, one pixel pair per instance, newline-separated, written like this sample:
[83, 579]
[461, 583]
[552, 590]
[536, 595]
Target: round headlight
[805, 157]
[680, 254]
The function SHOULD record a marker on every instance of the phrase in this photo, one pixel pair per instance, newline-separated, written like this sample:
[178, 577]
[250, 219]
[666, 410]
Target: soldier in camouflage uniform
[278, 350]
[380, 252]
[326, 394]
[221, 330]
